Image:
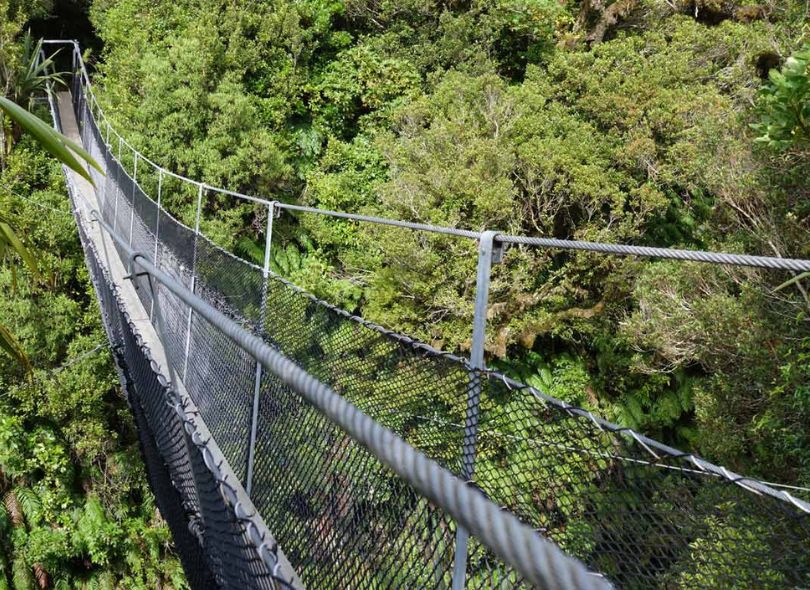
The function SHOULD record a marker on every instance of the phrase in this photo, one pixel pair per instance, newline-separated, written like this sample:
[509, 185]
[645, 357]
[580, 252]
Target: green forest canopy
[628, 121]
[658, 122]
[75, 507]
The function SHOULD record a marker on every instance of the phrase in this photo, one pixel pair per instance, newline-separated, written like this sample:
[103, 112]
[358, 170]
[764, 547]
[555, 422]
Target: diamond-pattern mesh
[642, 515]
[213, 543]
[343, 520]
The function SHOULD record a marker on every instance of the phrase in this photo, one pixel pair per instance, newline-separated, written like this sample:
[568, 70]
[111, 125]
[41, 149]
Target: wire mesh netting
[641, 514]
[212, 540]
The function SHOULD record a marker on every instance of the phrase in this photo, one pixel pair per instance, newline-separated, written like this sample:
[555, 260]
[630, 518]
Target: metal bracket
[498, 250]
[133, 276]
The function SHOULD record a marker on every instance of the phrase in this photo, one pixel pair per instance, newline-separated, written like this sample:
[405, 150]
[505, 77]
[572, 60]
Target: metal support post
[80, 110]
[254, 421]
[132, 202]
[193, 277]
[117, 187]
[486, 249]
[157, 234]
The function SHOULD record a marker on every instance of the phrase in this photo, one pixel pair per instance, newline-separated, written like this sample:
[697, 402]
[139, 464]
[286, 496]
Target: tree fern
[41, 576]
[30, 504]
[21, 576]
[12, 508]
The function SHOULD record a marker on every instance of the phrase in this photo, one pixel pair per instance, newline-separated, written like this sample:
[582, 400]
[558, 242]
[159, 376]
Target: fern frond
[30, 504]
[91, 520]
[106, 580]
[21, 576]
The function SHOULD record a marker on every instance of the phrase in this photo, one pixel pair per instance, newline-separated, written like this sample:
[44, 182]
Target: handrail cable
[541, 561]
[771, 262]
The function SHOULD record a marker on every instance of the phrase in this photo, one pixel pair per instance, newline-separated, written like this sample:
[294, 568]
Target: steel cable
[542, 562]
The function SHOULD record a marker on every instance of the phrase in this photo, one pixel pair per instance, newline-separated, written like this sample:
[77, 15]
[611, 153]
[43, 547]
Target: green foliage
[63, 149]
[22, 77]
[721, 539]
[620, 122]
[32, 77]
[784, 104]
[76, 502]
[359, 88]
[564, 376]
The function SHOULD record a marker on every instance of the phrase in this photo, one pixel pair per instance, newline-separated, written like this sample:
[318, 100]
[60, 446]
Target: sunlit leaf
[9, 238]
[10, 346]
[64, 149]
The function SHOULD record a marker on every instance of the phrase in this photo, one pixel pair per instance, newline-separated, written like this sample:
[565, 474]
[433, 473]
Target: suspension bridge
[292, 445]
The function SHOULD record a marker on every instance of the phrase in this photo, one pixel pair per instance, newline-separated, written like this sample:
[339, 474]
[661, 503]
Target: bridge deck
[86, 201]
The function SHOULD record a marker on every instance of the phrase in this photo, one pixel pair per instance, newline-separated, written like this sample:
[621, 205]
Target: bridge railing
[641, 513]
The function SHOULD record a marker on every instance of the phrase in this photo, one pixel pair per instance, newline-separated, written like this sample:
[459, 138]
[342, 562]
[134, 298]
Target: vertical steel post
[132, 203]
[117, 186]
[157, 234]
[193, 277]
[486, 249]
[80, 110]
[254, 420]
[76, 82]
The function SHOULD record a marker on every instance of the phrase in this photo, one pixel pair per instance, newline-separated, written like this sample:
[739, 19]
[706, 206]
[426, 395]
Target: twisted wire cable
[539, 560]
[772, 262]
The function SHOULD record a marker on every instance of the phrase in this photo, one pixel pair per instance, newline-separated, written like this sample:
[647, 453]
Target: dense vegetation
[628, 121]
[671, 123]
[75, 507]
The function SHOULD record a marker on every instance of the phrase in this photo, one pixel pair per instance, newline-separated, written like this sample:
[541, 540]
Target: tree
[21, 80]
[783, 104]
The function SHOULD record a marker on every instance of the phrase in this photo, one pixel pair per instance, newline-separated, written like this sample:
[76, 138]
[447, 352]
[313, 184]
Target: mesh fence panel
[213, 542]
[226, 407]
[343, 519]
[400, 383]
[644, 516]
[641, 516]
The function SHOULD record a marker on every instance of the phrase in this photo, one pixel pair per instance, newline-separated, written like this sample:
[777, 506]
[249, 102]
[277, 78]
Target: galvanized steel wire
[792, 264]
[771, 262]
